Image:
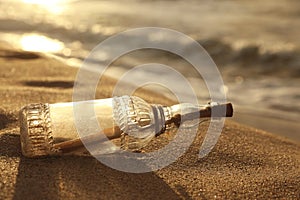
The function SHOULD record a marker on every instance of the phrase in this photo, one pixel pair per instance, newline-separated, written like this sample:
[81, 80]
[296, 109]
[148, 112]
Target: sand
[246, 163]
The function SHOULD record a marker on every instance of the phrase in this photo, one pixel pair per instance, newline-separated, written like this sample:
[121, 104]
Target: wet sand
[246, 163]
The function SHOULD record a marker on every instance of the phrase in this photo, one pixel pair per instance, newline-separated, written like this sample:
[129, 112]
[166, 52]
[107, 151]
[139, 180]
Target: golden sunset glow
[40, 43]
[53, 6]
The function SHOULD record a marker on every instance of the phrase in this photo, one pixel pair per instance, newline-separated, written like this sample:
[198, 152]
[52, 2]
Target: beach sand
[246, 163]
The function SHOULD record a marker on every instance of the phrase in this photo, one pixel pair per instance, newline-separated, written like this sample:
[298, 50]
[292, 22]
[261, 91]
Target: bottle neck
[161, 115]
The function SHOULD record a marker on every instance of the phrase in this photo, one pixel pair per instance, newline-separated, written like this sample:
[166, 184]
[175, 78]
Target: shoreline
[288, 130]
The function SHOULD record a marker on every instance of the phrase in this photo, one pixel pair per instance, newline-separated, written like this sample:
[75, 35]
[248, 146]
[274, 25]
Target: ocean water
[254, 45]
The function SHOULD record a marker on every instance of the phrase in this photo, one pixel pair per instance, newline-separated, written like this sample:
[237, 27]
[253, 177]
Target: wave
[249, 60]
[254, 58]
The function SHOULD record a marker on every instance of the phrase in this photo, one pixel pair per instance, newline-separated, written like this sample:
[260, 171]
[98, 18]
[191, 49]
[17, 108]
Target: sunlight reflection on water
[40, 43]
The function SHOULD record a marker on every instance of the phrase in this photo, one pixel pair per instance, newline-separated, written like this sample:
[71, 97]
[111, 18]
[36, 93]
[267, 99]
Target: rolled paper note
[128, 121]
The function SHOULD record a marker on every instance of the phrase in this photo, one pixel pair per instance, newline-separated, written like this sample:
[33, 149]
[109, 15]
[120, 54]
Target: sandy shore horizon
[246, 163]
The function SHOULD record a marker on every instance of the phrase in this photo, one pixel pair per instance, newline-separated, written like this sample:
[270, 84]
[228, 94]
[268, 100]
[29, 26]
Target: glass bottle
[127, 121]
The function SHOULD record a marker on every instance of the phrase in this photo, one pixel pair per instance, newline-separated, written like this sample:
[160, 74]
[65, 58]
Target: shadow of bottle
[69, 177]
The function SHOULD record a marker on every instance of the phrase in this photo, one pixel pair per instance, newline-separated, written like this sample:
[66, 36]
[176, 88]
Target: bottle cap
[35, 130]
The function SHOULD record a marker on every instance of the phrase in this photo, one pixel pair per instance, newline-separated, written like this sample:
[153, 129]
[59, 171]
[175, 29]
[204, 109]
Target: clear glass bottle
[128, 121]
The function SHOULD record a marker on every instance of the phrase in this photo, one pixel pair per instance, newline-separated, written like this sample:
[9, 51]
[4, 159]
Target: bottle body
[44, 126]
[50, 129]
[63, 118]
